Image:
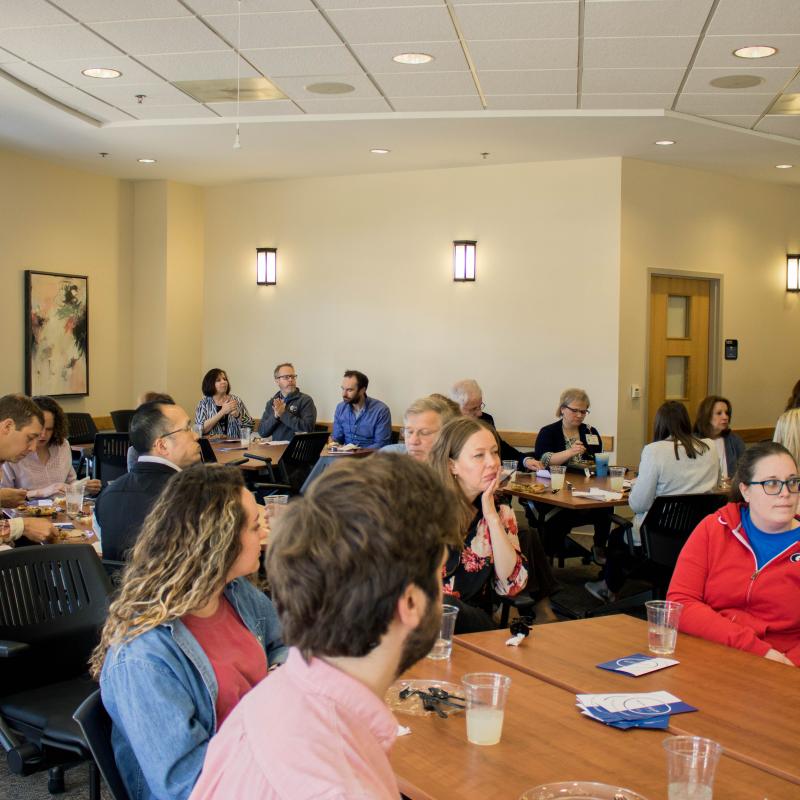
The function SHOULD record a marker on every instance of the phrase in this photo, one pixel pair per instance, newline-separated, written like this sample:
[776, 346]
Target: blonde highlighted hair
[569, 396]
[787, 432]
[182, 555]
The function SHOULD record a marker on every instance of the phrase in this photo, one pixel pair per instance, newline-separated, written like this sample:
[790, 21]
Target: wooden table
[227, 451]
[545, 739]
[746, 703]
[564, 498]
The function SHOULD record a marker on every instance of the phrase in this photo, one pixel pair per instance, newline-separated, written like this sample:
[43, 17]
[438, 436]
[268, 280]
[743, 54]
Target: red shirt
[238, 660]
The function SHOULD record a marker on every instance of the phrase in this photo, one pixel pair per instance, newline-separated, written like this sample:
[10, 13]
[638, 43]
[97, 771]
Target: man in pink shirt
[355, 569]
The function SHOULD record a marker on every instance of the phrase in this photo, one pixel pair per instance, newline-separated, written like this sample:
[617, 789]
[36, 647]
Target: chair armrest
[521, 600]
[9, 648]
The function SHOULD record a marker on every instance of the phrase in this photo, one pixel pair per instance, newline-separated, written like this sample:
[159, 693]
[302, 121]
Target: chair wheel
[55, 781]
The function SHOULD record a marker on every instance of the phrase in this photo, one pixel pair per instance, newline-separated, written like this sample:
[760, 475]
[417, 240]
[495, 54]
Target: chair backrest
[54, 598]
[304, 449]
[95, 725]
[110, 456]
[671, 520]
[82, 429]
[207, 451]
[122, 419]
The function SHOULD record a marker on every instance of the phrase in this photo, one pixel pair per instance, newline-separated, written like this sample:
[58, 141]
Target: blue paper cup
[601, 464]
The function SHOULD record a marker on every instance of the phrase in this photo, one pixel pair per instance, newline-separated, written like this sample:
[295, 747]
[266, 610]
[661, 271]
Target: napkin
[598, 494]
[632, 710]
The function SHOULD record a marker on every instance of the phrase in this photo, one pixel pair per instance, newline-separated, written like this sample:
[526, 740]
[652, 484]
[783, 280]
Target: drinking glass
[509, 467]
[444, 644]
[486, 694]
[557, 476]
[662, 625]
[245, 435]
[74, 498]
[616, 477]
[691, 764]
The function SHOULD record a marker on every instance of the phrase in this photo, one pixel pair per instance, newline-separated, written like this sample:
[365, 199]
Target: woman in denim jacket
[188, 634]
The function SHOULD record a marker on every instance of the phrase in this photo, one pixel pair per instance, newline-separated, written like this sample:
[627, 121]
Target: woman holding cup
[724, 599]
[220, 412]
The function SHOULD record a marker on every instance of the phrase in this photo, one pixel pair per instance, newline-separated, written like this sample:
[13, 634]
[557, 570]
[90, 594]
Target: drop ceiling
[520, 81]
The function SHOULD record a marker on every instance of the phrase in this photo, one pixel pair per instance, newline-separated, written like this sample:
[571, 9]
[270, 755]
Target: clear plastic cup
[616, 475]
[691, 766]
[74, 499]
[557, 476]
[580, 790]
[444, 644]
[486, 694]
[245, 434]
[662, 625]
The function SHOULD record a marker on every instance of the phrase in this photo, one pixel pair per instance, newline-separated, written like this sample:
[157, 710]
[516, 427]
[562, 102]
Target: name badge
[593, 439]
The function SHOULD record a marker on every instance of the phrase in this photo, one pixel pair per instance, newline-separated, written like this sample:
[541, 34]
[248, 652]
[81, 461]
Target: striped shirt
[40, 479]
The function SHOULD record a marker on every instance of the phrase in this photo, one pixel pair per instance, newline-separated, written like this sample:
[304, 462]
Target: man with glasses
[288, 411]
[163, 434]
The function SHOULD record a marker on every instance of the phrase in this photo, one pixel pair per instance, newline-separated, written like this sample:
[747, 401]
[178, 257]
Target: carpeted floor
[34, 787]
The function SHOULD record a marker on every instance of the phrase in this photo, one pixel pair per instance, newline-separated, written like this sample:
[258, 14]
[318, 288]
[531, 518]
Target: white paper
[402, 730]
[46, 502]
[278, 442]
[598, 494]
[628, 701]
[542, 473]
[643, 667]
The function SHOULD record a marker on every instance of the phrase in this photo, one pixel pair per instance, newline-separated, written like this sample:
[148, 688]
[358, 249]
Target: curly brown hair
[60, 424]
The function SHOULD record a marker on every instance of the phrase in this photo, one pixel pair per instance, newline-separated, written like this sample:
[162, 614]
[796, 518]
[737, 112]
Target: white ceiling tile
[448, 56]
[294, 87]
[55, 42]
[744, 121]
[457, 103]
[70, 71]
[518, 20]
[774, 80]
[29, 13]
[630, 100]
[156, 94]
[108, 10]
[638, 51]
[327, 60]
[530, 102]
[171, 112]
[645, 17]
[376, 25]
[793, 87]
[359, 4]
[344, 105]
[636, 81]
[7, 58]
[281, 29]
[432, 84]
[780, 124]
[506, 2]
[755, 17]
[717, 51]
[198, 66]
[33, 76]
[727, 104]
[524, 53]
[75, 98]
[249, 6]
[535, 81]
[258, 108]
[181, 35]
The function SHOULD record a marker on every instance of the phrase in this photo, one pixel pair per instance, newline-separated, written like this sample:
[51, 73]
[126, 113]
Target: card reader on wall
[731, 349]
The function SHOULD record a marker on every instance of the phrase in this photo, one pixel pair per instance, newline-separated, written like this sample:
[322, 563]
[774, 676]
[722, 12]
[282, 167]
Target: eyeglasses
[284, 377]
[583, 411]
[475, 407]
[774, 486]
[185, 429]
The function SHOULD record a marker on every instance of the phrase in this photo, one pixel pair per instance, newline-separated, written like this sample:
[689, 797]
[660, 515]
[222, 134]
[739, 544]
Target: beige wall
[365, 282]
[57, 219]
[704, 223]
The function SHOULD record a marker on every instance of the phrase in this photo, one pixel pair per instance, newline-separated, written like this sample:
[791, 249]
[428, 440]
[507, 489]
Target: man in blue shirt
[359, 419]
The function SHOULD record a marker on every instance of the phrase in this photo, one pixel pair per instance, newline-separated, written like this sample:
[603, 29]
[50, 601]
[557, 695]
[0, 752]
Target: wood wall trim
[753, 435]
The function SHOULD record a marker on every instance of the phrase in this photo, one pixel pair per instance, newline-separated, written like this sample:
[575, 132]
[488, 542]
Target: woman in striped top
[47, 470]
[220, 412]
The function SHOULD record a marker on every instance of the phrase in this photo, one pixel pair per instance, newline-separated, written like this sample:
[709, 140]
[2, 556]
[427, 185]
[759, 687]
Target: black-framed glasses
[583, 411]
[774, 486]
[185, 429]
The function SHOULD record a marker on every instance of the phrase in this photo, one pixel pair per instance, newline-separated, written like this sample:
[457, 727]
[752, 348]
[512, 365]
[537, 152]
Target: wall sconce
[266, 266]
[793, 273]
[464, 261]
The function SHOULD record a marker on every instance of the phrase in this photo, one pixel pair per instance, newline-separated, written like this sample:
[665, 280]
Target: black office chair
[122, 419]
[81, 433]
[95, 724]
[53, 602]
[110, 456]
[299, 458]
[664, 531]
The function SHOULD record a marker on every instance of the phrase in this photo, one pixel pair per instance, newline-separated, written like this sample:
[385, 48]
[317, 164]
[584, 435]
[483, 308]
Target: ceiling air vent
[225, 91]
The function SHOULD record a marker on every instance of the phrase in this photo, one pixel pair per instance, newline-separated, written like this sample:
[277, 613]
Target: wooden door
[679, 340]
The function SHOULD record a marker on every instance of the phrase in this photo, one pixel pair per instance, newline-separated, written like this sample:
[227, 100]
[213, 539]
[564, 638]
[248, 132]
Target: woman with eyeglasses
[738, 575]
[571, 440]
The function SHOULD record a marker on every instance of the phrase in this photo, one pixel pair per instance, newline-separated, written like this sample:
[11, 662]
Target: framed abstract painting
[56, 334]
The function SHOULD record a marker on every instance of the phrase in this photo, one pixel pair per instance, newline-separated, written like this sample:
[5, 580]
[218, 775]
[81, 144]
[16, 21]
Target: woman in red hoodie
[738, 575]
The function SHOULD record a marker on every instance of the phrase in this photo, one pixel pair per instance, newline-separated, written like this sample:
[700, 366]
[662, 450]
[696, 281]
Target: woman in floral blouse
[466, 455]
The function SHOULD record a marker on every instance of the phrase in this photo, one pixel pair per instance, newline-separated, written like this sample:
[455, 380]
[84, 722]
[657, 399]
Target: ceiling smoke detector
[737, 82]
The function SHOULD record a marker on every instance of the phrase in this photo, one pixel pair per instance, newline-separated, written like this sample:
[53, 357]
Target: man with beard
[355, 569]
[359, 419]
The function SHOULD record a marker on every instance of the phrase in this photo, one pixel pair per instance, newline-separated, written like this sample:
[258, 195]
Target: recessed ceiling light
[412, 58]
[665, 142]
[330, 87]
[101, 72]
[146, 160]
[756, 51]
[784, 166]
[380, 151]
